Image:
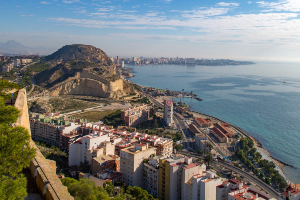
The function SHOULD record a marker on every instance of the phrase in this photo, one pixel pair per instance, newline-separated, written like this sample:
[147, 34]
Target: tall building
[117, 61]
[173, 174]
[150, 176]
[134, 115]
[201, 186]
[131, 163]
[168, 112]
[123, 63]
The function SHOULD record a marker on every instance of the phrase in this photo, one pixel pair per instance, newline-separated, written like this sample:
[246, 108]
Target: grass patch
[67, 104]
[94, 116]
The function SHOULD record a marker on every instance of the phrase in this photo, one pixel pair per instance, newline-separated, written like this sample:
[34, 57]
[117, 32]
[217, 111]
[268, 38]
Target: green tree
[199, 151]
[208, 158]
[85, 189]
[15, 152]
[6, 87]
[267, 180]
[109, 187]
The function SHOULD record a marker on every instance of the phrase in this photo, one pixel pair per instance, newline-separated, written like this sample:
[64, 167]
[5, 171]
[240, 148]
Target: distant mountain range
[13, 47]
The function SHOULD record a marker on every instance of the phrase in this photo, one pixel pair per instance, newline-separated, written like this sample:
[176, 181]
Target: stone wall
[42, 170]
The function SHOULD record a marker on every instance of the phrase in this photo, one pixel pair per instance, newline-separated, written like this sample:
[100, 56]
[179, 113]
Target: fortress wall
[115, 86]
[87, 74]
[42, 170]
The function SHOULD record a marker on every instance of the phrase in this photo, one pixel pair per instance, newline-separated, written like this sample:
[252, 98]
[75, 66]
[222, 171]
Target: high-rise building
[123, 63]
[150, 176]
[173, 174]
[131, 163]
[168, 112]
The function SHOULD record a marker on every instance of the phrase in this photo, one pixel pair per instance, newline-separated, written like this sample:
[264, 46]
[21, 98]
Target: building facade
[135, 115]
[168, 112]
[131, 163]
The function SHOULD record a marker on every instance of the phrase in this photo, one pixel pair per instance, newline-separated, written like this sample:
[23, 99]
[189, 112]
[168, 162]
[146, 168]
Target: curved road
[255, 180]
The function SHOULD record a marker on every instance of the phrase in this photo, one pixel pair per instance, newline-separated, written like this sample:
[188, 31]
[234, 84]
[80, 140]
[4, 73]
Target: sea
[263, 99]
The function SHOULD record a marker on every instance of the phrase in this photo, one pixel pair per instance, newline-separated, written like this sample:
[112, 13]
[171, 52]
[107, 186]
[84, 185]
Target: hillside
[80, 69]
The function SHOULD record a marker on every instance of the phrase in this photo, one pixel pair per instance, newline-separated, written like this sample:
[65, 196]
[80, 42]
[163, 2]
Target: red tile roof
[218, 132]
[202, 121]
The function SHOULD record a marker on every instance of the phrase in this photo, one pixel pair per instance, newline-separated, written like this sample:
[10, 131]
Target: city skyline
[239, 30]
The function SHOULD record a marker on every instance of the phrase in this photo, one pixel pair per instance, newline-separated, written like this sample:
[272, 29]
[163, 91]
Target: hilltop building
[168, 112]
[135, 115]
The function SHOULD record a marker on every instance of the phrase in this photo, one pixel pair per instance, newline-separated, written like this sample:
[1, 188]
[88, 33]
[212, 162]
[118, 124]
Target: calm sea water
[262, 99]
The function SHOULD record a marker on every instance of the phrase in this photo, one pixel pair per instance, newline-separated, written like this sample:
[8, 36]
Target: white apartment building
[17, 62]
[131, 163]
[168, 112]
[201, 186]
[82, 148]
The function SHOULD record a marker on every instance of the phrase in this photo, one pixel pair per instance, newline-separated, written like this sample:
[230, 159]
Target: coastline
[258, 145]
[280, 164]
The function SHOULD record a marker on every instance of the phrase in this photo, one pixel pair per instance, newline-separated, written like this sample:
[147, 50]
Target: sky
[239, 30]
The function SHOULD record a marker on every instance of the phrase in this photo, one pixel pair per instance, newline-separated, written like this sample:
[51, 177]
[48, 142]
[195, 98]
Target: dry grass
[94, 116]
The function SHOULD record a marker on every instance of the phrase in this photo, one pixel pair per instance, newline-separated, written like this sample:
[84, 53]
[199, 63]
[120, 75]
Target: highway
[250, 177]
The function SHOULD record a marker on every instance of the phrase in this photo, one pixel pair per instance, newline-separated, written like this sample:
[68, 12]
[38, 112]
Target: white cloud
[26, 15]
[228, 4]
[70, 1]
[45, 2]
[282, 5]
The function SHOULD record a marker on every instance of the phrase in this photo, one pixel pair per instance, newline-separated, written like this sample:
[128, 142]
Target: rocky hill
[81, 70]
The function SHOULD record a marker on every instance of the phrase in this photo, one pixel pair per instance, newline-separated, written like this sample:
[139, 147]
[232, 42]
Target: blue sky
[245, 30]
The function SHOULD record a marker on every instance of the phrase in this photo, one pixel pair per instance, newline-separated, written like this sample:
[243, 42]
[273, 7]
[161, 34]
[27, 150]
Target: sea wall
[42, 170]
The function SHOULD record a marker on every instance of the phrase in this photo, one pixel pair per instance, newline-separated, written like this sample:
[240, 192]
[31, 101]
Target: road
[250, 177]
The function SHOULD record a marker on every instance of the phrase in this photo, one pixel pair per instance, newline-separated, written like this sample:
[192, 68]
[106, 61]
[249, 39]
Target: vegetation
[15, 151]
[177, 146]
[114, 119]
[38, 67]
[86, 189]
[177, 137]
[144, 100]
[268, 171]
[94, 116]
[208, 159]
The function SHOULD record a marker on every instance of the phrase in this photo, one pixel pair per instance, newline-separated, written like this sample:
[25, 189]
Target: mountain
[81, 70]
[14, 47]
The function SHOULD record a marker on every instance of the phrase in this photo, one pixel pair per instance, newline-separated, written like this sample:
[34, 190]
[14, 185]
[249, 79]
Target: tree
[6, 87]
[15, 152]
[85, 189]
[267, 180]
[208, 158]
[199, 151]
[109, 187]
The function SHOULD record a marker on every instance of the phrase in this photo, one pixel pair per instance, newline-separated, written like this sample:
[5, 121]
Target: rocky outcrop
[90, 87]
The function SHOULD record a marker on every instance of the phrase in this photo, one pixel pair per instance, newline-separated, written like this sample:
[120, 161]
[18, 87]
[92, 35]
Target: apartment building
[164, 146]
[168, 112]
[173, 173]
[150, 176]
[131, 163]
[135, 115]
[105, 162]
[88, 147]
[201, 186]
